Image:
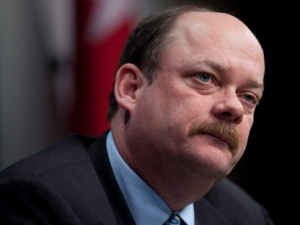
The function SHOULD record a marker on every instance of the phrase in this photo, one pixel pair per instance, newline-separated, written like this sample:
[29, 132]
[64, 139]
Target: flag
[102, 29]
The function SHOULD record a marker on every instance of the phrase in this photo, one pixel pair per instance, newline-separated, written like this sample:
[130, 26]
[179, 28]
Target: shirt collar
[145, 205]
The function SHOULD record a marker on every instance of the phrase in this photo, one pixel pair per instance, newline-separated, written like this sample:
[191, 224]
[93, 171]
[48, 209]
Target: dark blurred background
[42, 84]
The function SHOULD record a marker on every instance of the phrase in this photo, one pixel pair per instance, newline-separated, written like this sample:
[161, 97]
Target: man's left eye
[249, 98]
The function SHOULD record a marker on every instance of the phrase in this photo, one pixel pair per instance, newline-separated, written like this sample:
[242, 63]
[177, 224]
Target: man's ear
[128, 82]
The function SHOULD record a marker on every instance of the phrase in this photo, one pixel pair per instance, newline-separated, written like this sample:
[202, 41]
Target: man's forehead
[209, 21]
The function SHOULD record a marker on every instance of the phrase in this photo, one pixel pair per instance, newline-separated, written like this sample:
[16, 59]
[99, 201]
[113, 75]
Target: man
[181, 111]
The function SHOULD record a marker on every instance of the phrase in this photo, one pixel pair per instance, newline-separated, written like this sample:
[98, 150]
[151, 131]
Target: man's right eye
[204, 77]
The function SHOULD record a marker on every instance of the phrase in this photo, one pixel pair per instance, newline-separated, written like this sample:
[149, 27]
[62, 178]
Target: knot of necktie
[174, 219]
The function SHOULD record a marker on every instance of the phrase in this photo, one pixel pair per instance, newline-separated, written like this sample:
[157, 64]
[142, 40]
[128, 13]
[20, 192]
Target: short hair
[146, 41]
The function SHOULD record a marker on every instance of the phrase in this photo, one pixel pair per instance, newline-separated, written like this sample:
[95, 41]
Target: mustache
[221, 129]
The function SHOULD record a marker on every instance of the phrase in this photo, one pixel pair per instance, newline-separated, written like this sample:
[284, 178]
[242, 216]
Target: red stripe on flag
[96, 62]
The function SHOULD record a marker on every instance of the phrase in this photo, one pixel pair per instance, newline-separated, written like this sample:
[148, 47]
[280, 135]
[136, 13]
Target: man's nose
[229, 107]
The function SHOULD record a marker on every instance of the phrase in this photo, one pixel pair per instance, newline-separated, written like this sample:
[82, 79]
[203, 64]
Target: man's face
[197, 114]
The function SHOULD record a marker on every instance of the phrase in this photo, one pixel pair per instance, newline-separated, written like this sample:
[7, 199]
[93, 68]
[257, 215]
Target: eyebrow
[252, 83]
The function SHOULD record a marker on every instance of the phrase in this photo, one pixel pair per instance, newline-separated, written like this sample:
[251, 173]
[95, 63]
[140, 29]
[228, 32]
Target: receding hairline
[230, 21]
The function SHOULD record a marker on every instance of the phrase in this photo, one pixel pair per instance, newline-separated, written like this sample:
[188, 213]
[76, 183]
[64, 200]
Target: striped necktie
[174, 219]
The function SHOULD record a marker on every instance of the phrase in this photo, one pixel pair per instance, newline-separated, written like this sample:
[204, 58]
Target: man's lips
[220, 137]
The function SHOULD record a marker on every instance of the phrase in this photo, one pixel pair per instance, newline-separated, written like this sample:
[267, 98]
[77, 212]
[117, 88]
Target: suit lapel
[99, 157]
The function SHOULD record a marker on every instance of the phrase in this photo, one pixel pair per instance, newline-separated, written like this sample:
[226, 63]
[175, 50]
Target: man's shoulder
[70, 149]
[234, 204]
[59, 183]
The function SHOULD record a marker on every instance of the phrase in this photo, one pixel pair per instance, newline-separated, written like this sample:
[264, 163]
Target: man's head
[186, 99]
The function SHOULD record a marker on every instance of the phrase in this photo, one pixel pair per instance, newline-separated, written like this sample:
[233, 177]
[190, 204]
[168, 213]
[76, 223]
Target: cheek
[159, 116]
[244, 130]
[170, 109]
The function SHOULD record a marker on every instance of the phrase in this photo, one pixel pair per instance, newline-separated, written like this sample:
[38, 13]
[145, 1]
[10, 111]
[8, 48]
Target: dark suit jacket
[71, 182]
